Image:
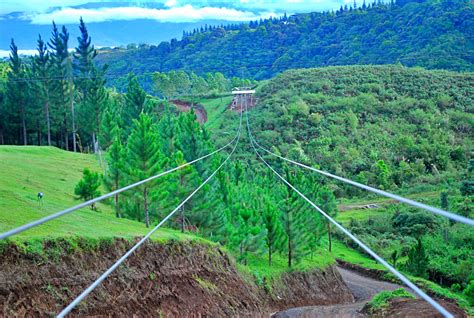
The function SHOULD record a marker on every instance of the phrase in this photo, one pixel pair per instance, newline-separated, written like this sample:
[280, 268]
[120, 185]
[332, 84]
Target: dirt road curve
[362, 287]
[199, 110]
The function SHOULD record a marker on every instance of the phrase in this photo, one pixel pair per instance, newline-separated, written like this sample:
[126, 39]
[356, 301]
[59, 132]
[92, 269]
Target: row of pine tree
[55, 96]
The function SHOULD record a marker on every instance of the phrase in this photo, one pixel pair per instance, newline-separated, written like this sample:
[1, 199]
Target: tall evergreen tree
[167, 129]
[90, 82]
[135, 100]
[144, 158]
[176, 188]
[294, 217]
[17, 90]
[417, 260]
[247, 235]
[42, 69]
[327, 202]
[274, 235]
[59, 95]
[115, 168]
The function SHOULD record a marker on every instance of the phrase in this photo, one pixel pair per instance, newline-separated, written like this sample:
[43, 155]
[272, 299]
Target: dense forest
[361, 120]
[431, 34]
[395, 128]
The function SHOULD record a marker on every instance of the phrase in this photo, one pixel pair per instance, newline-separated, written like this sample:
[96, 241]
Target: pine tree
[85, 54]
[327, 202]
[59, 92]
[42, 69]
[144, 158]
[91, 84]
[180, 186]
[135, 100]
[274, 234]
[71, 86]
[167, 129]
[247, 235]
[115, 168]
[190, 139]
[88, 186]
[17, 90]
[294, 217]
[417, 263]
[108, 124]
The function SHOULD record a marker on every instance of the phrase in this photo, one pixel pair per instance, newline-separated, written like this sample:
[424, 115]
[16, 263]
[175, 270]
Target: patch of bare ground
[173, 279]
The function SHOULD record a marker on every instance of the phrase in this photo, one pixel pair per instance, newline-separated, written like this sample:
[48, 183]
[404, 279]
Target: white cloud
[170, 3]
[185, 13]
[6, 53]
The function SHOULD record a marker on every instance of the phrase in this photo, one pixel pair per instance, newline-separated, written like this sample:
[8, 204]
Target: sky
[68, 11]
[119, 22]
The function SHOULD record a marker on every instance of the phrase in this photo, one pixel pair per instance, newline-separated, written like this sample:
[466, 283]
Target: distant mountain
[435, 34]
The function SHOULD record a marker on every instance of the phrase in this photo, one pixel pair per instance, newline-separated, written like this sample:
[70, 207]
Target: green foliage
[135, 101]
[274, 234]
[88, 187]
[412, 35]
[391, 137]
[469, 292]
[294, 214]
[247, 234]
[382, 299]
[143, 160]
[414, 223]
[417, 263]
[114, 178]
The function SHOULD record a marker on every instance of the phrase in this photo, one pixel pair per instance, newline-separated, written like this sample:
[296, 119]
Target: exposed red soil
[199, 110]
[239, 107]
[363, 289]
[402, 307]
[176, 279]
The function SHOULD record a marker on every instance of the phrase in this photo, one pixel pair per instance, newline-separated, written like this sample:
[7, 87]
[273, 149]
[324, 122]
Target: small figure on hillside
[40, 198]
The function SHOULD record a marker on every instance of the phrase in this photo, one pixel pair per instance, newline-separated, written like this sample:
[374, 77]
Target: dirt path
[382, 202]
[363, 288]
[199, 110]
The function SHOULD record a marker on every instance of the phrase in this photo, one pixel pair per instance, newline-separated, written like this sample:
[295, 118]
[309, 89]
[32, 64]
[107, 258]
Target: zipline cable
[108, 195]
[400, 276]
[102, 277]
[416, 204]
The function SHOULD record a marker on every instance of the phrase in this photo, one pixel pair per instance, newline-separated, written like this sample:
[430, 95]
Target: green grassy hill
[29, 170]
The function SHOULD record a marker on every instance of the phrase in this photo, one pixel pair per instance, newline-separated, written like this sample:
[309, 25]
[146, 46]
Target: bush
[469, 292]
[88, 186]
[381, 300]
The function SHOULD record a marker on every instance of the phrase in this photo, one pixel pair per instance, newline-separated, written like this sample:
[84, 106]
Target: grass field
[215, 108]
[257, 265]
[27, 170]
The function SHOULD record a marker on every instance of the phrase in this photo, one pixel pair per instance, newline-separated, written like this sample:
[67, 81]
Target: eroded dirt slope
[179, 279]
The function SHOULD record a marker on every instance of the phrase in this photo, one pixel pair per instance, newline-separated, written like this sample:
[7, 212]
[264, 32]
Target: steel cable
[102, 277]
[400, 276]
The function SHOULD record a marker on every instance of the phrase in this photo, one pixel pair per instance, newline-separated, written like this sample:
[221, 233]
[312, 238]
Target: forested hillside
[405, 130]
[388, 125]
[432, 34]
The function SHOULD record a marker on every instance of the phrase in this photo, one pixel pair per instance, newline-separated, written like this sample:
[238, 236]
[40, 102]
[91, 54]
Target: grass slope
[26, 170]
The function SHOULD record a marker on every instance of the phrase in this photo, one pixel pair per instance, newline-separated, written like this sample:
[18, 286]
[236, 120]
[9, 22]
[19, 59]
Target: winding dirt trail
[199, 110]
[363, 288]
